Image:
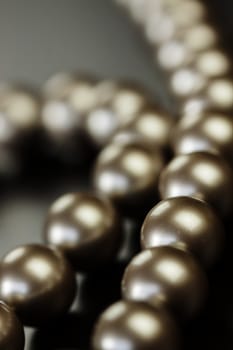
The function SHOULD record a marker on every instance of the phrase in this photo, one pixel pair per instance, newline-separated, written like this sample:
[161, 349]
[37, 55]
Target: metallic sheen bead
[86, 228]
[136, 326]
[37, 282]
[166, 276]
[11, 330]
[128, 174]
[201, 175]
[209, 131]
[187, 223]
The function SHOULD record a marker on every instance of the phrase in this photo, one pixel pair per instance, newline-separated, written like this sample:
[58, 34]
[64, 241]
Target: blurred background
[40, 38]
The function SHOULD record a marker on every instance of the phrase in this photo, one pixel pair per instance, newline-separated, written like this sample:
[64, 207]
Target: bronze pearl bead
[37, 282]
[86, 228]
[11, 330]
[187, 223]
[127, 325]
[166, 276]
[128, 173]
[201, 175]
[210, 131]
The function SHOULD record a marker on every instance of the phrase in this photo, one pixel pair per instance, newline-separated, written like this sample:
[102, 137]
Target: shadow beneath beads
[72, 332]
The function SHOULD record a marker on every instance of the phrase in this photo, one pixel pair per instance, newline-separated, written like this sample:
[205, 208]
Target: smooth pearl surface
[166, 276]
[210, 131]
[135, 326]
[86, 228]
[37, 282]
[201, 175]
[11, 330]
[187, 223]
[128, 174]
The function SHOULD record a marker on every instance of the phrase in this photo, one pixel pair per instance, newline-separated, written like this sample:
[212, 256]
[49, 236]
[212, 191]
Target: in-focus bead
[11, 330]
[187, 223]
[37, 282]
[128, 174]
[86, 228]
[128, 325]
[201, 175]
[166, 276]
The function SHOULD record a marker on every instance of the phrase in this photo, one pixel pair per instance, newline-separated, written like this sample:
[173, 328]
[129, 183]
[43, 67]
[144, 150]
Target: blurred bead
[63, 132]
[210, 131]
[128, 101]
[180, 53]
[37, 282]
[166, 276]
[136, 326]
[19, 114]
[86, 228]
[213, 63]
[152, 125]
[100, 124]
[187, 223]
[220, 94]
[11, 330]
[194, 105]
[105, 91]
[159, 28]
[128, 174]
[201, 175]
[83, 97]
[59, 119]
[59, 86]
[188, 13]
[187, 82]
[200, 37]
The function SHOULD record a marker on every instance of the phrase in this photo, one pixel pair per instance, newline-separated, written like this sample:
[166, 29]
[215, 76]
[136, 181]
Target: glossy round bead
[187, 223]
[127, 325]
[128, 174]
[86, 228]
[152, 125]
[201, 175]
[166, 276]
[210, 131]
[37, 282]
[11, 330]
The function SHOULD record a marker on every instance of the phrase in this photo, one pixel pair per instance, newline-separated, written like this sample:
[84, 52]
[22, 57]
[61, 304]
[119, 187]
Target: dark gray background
[39, 38]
